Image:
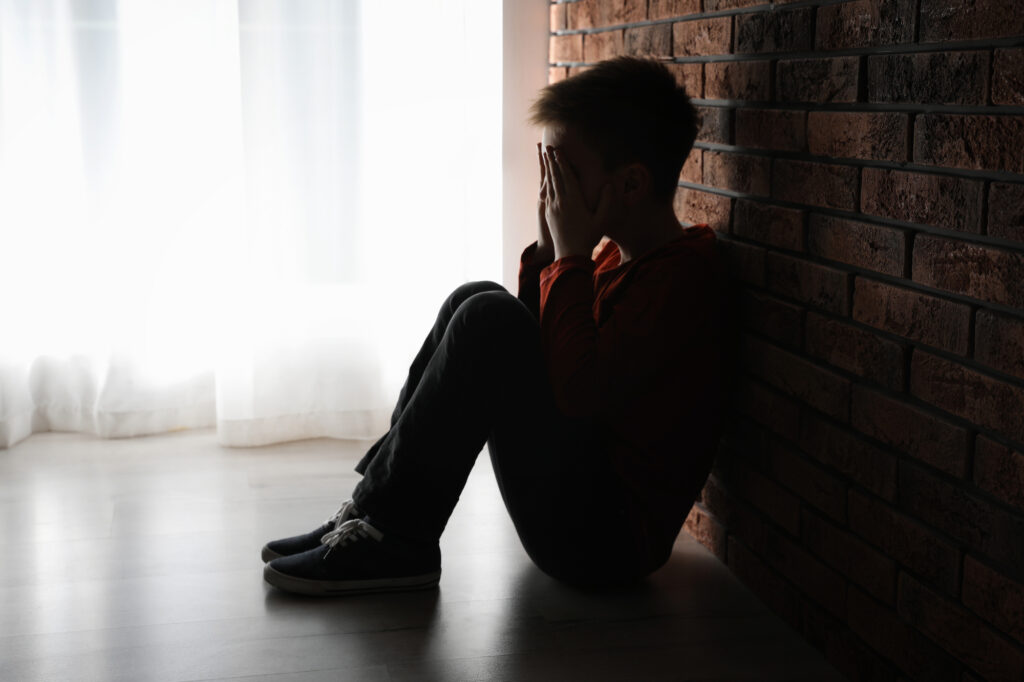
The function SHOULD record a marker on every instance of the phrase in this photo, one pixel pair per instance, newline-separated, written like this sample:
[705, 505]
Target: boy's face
[582, 160]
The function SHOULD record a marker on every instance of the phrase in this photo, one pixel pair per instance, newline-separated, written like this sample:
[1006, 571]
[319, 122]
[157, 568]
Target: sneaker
[357, 558]
[297, 544]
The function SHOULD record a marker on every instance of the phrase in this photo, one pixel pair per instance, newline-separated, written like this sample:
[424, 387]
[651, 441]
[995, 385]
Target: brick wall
[863, 163]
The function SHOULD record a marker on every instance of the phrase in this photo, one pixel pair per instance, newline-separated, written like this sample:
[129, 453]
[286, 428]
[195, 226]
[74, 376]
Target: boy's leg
[430, 344]
[486, 381]
[485, 366]
[301, 543]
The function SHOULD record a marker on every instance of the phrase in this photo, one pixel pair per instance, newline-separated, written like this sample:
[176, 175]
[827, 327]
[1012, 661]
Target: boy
[596, 389]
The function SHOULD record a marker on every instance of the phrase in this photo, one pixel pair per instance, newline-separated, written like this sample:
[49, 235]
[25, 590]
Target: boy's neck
[642, 237]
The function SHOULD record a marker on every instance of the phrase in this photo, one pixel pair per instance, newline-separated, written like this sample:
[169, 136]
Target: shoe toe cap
[295, 544]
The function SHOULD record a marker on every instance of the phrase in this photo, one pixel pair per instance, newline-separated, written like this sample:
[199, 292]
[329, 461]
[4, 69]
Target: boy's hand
[545, 246]
[574, 229]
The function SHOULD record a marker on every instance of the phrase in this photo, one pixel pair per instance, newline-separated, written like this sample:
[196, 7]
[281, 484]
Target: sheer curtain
[242, 214]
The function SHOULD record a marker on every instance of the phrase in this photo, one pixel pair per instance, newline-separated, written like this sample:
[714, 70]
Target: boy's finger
[549, 165]
[540, 159]
[555, 172]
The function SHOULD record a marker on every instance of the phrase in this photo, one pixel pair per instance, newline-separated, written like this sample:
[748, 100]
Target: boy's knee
[469, 289]
[495, 306]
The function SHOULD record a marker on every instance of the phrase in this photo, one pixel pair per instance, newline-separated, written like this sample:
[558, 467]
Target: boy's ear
[636, 180]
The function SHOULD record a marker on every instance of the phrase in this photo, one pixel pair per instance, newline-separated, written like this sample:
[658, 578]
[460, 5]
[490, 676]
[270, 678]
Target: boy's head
[625, 110]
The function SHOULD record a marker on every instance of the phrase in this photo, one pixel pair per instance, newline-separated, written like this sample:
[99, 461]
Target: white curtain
[237, 213]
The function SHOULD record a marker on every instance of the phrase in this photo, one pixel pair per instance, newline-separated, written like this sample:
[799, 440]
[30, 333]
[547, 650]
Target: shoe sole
[341, 587]
[269, 554]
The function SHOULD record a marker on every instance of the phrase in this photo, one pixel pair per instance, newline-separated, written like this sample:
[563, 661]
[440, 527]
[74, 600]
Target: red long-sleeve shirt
[636, 345]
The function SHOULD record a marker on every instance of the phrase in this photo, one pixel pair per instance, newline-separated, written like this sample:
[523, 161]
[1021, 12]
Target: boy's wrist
[543, 253]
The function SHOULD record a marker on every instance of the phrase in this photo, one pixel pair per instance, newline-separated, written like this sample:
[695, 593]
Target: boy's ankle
[399, 536]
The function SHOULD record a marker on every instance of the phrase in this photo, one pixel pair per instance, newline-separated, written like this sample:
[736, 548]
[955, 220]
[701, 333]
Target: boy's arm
[659, 323]
[539, 254]
[533, 259]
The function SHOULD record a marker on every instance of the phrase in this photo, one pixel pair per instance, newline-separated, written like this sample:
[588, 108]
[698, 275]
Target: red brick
[557, 73]
[574, 70]
[691, 77]
[746, 262]
[999, 342]
[972, 141]
[864, 463]
[740, 519]
[976, 523]
[565, 48]
[999, 471]
[775, 31]
[808, 480]
[915, 654]
[958, 632]
[702, 37]
[817, 80]
[772, 317]
[944, 20]
[654, 40]
[597, 13]
[925, 198]
[782, 129]
[774, 502]
[820, 184]
[920, 317]
[819, 285]
[981, 272]
[878, 136]
[865, 23]
[715, 124]
[666, 9]
[777, 593]
[983, 400]
[600, 46]
[844, 650]
[873, 247]
[706, 530]
[773, 225]
[1006, 211]
[748, 80]
[692, 170]
[1008, 76]
[995, 597]
[704, 207]
[910, 430]
[558, 13]
[797, 377]
[855, 350]
[849, 555]
[929, 78]
[907, 541]
[739, 172]
[812, 577]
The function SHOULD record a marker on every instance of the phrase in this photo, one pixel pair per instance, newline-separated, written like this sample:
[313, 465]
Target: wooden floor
[139, 560]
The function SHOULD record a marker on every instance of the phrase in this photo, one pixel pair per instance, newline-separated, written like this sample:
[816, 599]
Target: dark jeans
[480, 378]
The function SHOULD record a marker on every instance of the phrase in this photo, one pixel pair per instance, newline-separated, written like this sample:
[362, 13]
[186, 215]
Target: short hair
[629, 109]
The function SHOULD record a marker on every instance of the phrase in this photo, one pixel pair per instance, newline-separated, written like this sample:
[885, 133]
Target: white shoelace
[347, 532]
[341, 516]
